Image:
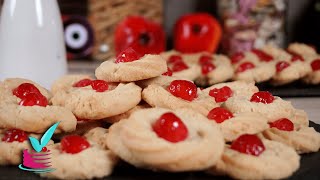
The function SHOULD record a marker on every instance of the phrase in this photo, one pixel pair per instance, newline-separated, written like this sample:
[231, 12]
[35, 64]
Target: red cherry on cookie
[168, 73]
[44, 149]
[14, 135]
[315, 65]
[207, 67]
[283, 124]
[248, 144]
[82, 83]
[183, 89]
[297, 58]
[23, 89]
[282, 65]
[34, 99]
[245, 66]
[171, 128]
[236, 57]
[174, 59]
[262, 55]
[128, 55]
[222, 94]
[219, 114]
[179, 66]
[74, 144]
[205, 59]
[262, 97]
[99, 85]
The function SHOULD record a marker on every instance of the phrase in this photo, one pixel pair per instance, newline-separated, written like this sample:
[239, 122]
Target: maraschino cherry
[171, 128]
[283, 124]
[219, 114]
[248, 144]
[12, 135]
[264, 97]
[221, 94]
[73, 144]
[183, 89]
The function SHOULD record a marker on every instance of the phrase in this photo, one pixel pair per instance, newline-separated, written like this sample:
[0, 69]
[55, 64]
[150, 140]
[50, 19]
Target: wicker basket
[104, 15]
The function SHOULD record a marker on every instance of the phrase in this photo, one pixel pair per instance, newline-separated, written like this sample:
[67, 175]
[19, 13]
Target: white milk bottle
[31, 41]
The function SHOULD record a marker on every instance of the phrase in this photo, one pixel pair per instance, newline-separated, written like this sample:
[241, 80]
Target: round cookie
[276, 110]
[148, 66]
[302, 49]
[193, 58]
[135, 141]
[293, 72]
[11, 152]
[181, 68]
[35, 118]
[238, 88]
[222, 71]
[302, 139]
[65, 82]
[278, 161]
[261, 72]
[243, 123]
[86, 103]
[276, 52]
[158, 96]
[98, 136]
[93, 162]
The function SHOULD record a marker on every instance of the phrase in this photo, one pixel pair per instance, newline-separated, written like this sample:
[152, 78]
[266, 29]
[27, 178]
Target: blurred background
[284, 21]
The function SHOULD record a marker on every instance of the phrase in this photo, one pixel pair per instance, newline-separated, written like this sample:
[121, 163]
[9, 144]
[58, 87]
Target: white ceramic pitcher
[31, 41]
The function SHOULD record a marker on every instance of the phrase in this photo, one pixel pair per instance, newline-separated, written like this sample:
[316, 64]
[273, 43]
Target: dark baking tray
[295, 89]
[309, 169]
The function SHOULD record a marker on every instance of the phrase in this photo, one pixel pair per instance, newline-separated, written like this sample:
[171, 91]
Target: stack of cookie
[158, 119]
[276, 65]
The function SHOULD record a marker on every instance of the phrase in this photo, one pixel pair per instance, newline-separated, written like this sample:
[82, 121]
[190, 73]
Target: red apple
[197, 32]
[144, 36]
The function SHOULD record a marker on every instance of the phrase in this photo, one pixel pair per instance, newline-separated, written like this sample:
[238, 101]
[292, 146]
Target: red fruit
[245, 66]
[219, 114]
[82, 83]
[34, 99]
[283, 124]
[207, 67]
[14, 135]
[262, 55]
[315, 65]
[128, 55]
[168, 73]
[174, 59]
[282, 65]
[23, 89]
[297, 58]
[196, 33]
[99, 85]
[248, 144]
[179, 66]
[170, 128]
[183, 89]
[145, 36]
[205, 59]
[74, 144]
[222, 94]
[236, 57]
[262, 97]
[44, 149]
